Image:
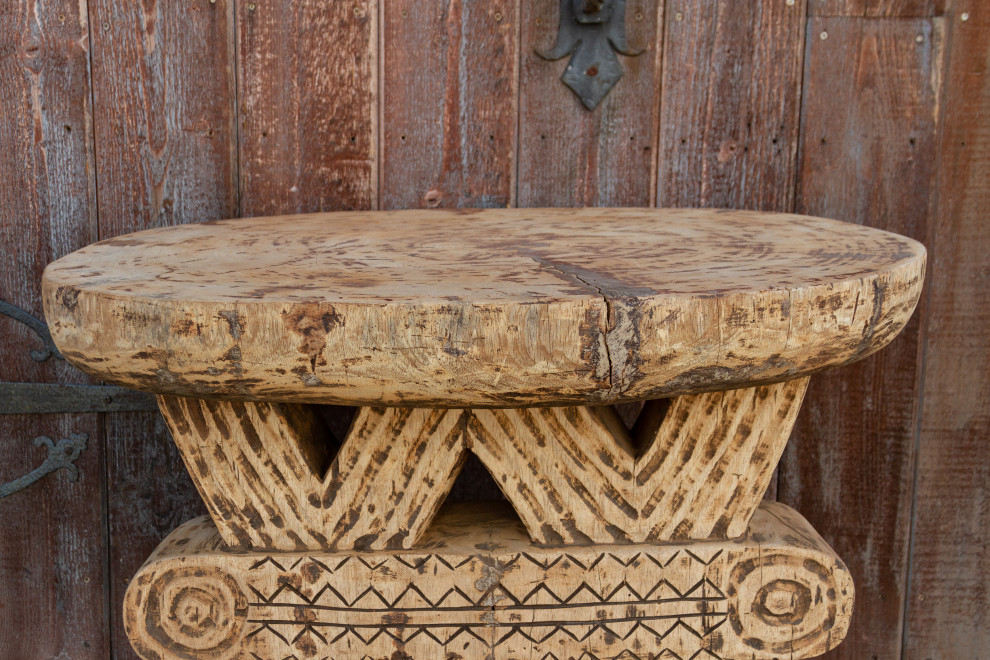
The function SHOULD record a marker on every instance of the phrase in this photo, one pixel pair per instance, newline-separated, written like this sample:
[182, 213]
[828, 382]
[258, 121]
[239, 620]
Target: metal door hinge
[60, 456]
[593, 30]
[45, 398]
[38, 326]
[42, 398]
[50, 398]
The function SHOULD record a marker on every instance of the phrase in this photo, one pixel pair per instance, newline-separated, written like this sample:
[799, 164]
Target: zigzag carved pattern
[625, 655]
[537, 615]
[697, 470]
[583, 588]
[573, 474]
[420, 562]
[656, 634]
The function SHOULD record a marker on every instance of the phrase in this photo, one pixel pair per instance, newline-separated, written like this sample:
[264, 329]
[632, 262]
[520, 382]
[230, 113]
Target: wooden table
[506, 333]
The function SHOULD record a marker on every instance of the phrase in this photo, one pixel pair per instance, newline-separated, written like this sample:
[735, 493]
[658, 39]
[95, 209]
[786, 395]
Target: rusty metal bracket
[38, 326]
[45, 398]
[593, 30]
[51, 398]
[61, 456]
[41, 398]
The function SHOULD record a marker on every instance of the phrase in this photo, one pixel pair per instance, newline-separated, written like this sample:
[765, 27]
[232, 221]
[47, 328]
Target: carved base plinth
[476, 587]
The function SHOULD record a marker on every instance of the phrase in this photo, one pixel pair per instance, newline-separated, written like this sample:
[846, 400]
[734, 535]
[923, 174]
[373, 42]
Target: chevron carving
[574, 475]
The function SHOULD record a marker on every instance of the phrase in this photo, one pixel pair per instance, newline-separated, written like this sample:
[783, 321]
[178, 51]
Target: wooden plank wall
[866, 154]
[117, 116]
[52, 554]
[948, 603]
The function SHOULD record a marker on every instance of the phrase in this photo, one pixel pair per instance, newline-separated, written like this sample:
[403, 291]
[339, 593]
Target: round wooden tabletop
[481, 308]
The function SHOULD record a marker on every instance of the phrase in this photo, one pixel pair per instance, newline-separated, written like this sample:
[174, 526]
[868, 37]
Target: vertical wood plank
[308, 85]
[731, 102]
[450, 98]
[570, 156]
[162, 92]
[866, 155]
[948, 605]
[164, 99]
[52, 545]
[877, 8]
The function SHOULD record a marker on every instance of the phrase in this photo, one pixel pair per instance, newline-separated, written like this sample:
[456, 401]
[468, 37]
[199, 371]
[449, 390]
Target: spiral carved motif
[195, 612]
[784, 604]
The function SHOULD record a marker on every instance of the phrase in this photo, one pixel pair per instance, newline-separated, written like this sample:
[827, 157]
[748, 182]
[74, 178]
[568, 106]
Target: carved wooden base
[478, 588]
[649, 543]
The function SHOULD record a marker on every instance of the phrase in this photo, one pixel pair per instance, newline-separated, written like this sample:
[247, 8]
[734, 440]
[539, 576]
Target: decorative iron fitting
[593, 30]
[38, 326]
[61, 456]
[41, 398]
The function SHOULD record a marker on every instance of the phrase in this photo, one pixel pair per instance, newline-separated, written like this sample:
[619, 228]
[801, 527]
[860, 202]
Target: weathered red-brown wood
[569, 156]
[52, 545]
[946, 613]
[731, 99]
[867, 151]
[163, 90]
[164, 123]
[307, 87]
[31, 191]
[449, 103]
[877, 8]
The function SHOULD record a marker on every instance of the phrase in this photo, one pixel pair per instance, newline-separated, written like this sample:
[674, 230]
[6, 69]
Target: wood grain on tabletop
[946, 609]
[52, 548]
[867, 155]
[521, 307]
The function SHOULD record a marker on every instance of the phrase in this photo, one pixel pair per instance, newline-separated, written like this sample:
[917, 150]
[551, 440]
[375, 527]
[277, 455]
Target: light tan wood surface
[574, 474]
[476, 588]
[494, 308]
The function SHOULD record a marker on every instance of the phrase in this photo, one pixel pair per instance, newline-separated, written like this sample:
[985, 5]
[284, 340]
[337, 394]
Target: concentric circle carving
[195, 612]
[782, 603]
